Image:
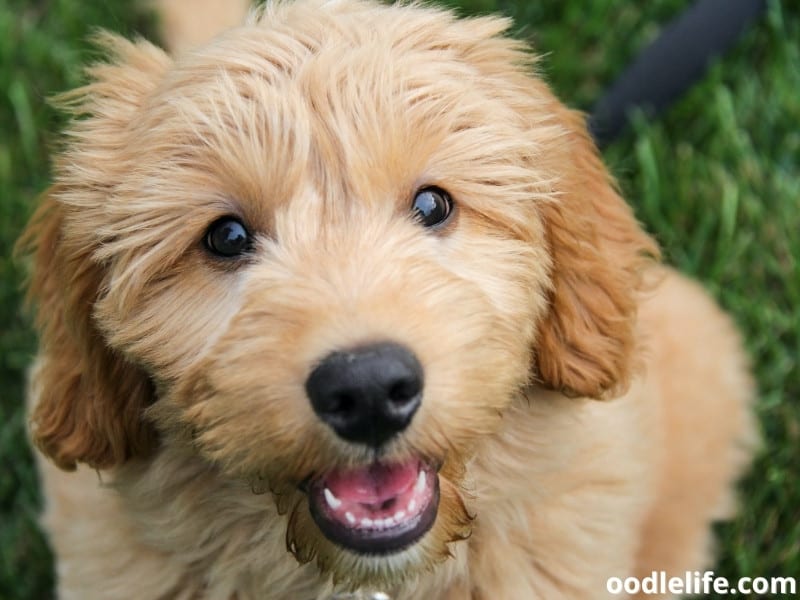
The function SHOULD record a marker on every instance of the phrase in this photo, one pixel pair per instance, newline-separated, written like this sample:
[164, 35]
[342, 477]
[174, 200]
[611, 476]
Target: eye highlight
[432, 206]
[227, 237]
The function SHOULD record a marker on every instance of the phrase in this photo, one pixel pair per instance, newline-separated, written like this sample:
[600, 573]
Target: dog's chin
[376, 509]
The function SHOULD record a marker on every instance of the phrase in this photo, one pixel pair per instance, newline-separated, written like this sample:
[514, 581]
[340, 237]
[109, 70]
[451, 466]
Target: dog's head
[327, 251]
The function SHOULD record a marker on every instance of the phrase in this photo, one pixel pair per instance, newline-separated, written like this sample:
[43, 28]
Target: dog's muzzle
[369, 395]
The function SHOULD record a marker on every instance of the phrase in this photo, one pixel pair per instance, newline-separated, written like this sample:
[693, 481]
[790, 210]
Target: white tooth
[379, 523]
[420, 485]
[367, 522]
[412, 505]
[350, 518]
[399, 515]
[389, 522]
[332, 500]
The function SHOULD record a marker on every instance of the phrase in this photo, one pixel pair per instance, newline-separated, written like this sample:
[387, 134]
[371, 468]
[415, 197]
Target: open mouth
[376, 509]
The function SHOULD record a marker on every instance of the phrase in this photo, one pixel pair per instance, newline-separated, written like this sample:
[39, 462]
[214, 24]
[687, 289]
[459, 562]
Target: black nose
[369, 394]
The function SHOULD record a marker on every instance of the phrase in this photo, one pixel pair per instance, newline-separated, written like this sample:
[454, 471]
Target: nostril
[403, 391]
[342, 403]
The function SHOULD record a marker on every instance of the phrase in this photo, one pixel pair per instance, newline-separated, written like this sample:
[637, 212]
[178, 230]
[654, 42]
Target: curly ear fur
[586, 345]
[90, 399]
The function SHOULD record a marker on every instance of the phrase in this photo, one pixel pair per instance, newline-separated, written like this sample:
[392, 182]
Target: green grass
[717, 180]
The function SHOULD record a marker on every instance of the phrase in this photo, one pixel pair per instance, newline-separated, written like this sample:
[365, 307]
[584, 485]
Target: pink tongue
[373, 484]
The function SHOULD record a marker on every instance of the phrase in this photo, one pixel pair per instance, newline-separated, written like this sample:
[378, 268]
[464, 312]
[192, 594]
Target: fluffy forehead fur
[315, 124]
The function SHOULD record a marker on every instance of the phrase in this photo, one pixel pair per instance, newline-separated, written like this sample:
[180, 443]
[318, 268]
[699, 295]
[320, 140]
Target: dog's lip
[380, 508]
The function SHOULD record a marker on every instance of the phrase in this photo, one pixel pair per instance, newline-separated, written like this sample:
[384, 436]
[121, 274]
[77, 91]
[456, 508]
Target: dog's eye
[432, 206]
[227, 237]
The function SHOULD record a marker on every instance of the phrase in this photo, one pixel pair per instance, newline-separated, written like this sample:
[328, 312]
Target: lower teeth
[393, 520]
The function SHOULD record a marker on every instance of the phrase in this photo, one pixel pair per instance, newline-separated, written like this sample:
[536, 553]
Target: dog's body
[181, 369]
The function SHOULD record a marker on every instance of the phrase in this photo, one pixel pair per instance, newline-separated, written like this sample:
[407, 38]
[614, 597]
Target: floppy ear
[587, 343]
[89, 399]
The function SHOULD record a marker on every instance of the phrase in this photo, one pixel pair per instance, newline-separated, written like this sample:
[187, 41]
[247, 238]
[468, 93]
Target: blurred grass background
[717, 180]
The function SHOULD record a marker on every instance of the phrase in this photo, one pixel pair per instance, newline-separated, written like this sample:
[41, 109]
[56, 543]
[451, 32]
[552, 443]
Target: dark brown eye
[432, 206]
[227, 237]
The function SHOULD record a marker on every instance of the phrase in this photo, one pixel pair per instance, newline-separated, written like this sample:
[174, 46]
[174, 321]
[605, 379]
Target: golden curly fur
[588, 408]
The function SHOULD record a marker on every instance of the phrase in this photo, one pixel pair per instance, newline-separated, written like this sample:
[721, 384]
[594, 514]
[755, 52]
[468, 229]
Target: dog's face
[326, 252]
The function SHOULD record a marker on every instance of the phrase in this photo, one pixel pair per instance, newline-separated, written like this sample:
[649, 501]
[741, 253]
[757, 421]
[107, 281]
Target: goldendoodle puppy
[344, 300]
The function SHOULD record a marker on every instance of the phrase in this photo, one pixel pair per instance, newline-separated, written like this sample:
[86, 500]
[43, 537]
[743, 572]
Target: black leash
[676, 60]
